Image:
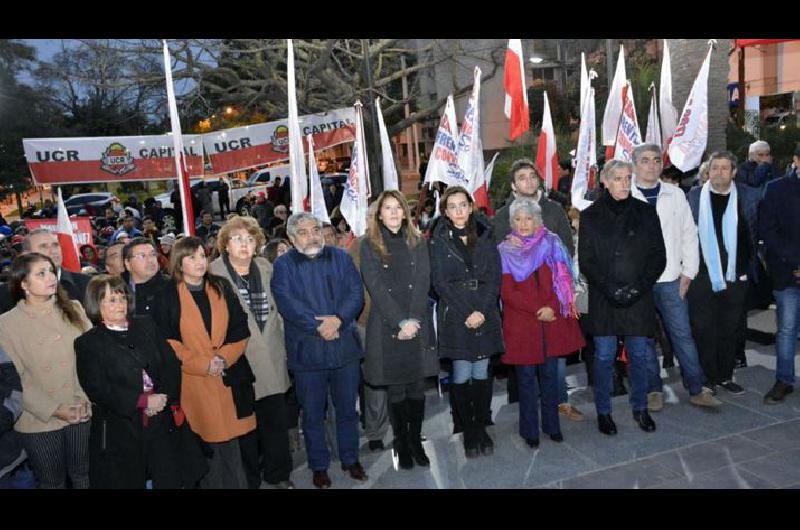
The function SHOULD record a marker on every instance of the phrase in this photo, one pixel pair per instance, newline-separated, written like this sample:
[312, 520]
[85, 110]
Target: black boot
[399, 419]
[416, 412]
[512, 386]
[462, 407]
[482, 397]
[458, 424]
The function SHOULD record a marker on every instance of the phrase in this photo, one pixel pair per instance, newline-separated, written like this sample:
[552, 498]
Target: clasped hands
[217, 366]
[475, 320]
[329, 328]
[155, 404]
[626, 295]
[408, 329]
[79, 412]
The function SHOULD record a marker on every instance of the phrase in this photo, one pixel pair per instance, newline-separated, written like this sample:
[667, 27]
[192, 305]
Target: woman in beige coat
[250, 276]
[38, 335]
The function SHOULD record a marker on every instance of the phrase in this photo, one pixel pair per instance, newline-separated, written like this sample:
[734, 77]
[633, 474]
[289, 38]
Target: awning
[744, 43]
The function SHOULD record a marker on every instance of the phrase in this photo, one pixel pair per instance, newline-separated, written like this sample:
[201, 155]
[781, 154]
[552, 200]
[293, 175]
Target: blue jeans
[464, 370]
[532, 378]
[312, 391]
[605, 351]
[675, 316]
[788, 315]
[563, 397]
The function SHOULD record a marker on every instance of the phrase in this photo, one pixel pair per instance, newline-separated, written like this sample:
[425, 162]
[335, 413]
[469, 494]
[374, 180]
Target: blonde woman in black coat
[399, 355]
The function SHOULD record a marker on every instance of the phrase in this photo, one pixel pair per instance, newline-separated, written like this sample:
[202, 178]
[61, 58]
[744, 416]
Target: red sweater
[527, 339]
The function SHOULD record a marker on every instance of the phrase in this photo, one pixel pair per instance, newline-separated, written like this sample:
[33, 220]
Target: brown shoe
[570, 412]
[356, 471]
[322, 480]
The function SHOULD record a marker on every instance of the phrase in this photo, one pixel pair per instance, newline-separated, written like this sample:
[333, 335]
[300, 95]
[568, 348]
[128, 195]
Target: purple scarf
[543, 247]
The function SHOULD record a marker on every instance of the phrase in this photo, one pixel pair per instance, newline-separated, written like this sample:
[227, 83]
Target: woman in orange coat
[205, 324]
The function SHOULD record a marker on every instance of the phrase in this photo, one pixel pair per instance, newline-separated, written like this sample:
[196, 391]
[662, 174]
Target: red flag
[546, 156]
[69, 251]
[516, 106]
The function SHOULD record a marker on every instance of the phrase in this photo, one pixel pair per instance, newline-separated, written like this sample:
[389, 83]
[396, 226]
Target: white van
[266, 177]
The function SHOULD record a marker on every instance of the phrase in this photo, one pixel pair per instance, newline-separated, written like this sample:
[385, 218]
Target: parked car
[237, 192]
[268, 175]
[76, 204]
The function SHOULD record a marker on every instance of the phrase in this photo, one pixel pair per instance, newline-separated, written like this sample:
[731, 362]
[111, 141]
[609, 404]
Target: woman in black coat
[465, 273]
[622, 256]
[133, 379]
[399, 355]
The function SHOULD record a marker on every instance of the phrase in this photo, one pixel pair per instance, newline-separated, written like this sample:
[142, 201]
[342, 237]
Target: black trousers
[224, 204]
[716, 319]
[398, 393]
[266, 449]
[54, 455]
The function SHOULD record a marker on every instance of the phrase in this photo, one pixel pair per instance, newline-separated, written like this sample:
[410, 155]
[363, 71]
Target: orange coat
[207, 402]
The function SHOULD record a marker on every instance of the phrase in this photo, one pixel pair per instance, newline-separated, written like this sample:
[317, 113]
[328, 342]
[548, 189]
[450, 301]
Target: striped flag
[516, 104]
[66, 238]
[546, 155]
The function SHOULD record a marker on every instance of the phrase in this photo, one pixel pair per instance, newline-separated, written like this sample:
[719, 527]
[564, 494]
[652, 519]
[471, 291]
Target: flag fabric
[546, 155]
[691, 134]
[390, 181]
[668, 112]
[181, 171]
[297, 167]
[584, 83]
[481, 192]
[469, 148]
[628, 134]
[354, 199]
[516, 105]
[66, 238]
[318, 208]
[585, 154]
[613, 112]
[653, 134]
[443, 163]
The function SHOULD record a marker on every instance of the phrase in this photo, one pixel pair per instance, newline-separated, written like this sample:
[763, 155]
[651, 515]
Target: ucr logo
[117, 160]
[280, 139]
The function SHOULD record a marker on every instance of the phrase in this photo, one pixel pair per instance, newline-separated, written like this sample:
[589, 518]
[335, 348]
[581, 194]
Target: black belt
[472, 285]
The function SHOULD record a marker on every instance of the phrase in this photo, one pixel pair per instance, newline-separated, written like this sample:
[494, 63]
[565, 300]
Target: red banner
[81, 226]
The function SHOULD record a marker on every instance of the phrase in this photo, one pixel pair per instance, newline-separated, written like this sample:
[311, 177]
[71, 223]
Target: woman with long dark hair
[396, 270]
[465, 272]
[205, 324]
[38, 335]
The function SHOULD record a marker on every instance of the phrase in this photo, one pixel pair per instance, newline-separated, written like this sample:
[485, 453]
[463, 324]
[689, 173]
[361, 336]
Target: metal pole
[740, 112]
[376, 176]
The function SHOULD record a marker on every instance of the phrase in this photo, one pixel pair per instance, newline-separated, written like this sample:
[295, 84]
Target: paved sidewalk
[744, 444]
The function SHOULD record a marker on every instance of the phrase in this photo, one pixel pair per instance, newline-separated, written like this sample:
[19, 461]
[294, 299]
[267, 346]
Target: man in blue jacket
[778, 223]
[318, 292]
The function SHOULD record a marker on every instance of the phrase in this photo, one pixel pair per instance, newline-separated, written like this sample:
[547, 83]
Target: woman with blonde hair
[399, 355]
[250, 275]
[203, 321]
[38, 335]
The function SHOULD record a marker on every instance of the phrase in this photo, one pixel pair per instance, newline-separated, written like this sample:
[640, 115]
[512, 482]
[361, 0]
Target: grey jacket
[553, 216]
[266, 351]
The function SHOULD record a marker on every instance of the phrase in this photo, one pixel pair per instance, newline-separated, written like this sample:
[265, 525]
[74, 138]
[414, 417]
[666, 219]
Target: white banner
[691, 135]
[443, 164]
[390, 181]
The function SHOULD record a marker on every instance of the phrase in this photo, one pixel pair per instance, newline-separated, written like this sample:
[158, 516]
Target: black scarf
[252, 287]
[456, 234]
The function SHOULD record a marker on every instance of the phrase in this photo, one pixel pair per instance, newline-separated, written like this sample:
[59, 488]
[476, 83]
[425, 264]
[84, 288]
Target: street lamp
[536, 60]
[228, 110]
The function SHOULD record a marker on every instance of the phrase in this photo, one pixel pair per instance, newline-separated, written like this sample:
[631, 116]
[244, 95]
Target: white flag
[354, 198]
[317, 198]
[469, 147]
[181, 171]
[585, 154]
[584, 82]
[297, 166]
[390, 181]
[669, 114]
[443, 163]
[653, 134]
[691, 135]
[613, 111]
[628, 135]
[487, 173]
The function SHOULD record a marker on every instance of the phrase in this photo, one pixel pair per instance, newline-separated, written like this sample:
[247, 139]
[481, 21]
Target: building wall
[769, 68]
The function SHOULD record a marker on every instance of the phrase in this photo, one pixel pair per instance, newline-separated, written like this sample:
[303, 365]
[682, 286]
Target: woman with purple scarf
[540, 320]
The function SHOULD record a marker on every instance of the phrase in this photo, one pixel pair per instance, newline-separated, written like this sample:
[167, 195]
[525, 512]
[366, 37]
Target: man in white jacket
[683, 261]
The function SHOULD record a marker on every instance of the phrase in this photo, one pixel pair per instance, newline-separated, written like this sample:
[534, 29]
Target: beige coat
[266, 351]
[40, 343]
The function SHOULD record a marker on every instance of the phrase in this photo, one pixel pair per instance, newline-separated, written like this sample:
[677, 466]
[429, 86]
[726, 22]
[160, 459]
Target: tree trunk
[687, 56]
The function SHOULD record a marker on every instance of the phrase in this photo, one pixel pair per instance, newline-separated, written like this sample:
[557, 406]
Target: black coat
[779, 226]
[111, 375]
[74, 283]
[389, 361]
[148, 293]
[617, 250]
[457, 299]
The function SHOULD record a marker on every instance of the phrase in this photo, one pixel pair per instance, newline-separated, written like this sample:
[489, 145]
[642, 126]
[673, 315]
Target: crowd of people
[197, 361]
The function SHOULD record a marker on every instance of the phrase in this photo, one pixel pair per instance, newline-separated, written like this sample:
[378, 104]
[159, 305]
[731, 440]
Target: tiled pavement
[745, 444]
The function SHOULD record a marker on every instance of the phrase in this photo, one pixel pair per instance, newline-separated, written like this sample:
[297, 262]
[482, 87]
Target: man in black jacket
[11, 453]
[622, 255]
[45, 242]
[142, 273]
[778, 224]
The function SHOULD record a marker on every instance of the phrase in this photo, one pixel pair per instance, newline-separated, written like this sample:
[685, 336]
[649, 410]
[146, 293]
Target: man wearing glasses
[142, 273]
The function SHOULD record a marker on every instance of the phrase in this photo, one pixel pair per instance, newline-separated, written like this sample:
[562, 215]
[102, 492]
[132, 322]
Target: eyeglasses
[243, 240]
